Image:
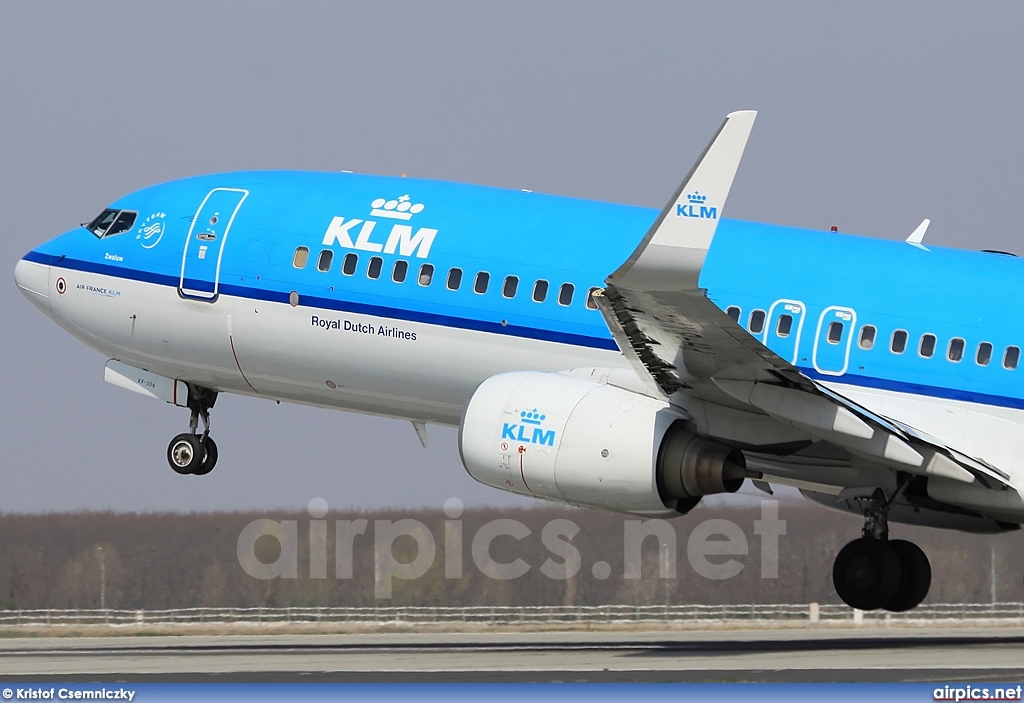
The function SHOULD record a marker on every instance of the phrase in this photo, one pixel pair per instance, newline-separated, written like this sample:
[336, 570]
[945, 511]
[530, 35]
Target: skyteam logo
[151, 231]
[358, 234]
[695, 207]
[529, 429]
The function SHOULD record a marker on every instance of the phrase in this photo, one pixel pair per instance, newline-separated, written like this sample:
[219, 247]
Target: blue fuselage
[520, 265]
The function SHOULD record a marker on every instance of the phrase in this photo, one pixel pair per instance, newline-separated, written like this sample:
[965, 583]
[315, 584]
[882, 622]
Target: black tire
[917, 577]
[185, 453]
[211, 457]
[867, 574]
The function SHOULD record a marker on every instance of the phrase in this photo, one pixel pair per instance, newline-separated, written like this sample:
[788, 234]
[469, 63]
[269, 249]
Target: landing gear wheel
[211, 457]
[917, 577]
[185, 453]
[194, 452]
[867, 574]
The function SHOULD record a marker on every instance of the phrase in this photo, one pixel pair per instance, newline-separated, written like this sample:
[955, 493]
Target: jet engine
[585, 442]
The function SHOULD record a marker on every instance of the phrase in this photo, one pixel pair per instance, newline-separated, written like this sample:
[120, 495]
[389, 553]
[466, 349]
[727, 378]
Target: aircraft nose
[33, 281]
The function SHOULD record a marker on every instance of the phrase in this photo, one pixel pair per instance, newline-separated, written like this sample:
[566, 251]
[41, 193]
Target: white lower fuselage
[427, 372]
[275, 351]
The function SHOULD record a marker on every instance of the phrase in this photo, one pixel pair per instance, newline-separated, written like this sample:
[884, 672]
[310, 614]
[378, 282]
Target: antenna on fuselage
[917, 236]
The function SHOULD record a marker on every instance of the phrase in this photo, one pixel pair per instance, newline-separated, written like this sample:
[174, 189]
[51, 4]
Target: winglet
[672, 253]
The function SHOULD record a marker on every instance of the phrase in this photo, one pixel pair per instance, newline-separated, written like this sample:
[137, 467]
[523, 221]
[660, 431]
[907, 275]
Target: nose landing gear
[873, 572]
[191, 452]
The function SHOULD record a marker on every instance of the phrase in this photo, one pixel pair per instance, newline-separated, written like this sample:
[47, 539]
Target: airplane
[589, 353]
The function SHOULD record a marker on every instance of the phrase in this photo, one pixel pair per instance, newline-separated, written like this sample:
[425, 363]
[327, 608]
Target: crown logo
[401, 209]
[697, 198]
[531, 417]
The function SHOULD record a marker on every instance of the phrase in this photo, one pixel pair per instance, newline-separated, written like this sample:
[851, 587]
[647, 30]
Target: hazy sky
[873, 116]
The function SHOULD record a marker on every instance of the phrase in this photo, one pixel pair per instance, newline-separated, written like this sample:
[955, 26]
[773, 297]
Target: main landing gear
[873, 572]
[193, 453]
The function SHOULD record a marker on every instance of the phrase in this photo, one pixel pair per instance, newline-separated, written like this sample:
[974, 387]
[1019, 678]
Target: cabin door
[204, 247]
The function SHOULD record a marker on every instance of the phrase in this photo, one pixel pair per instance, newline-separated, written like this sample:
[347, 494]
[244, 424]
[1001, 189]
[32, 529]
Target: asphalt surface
[814, 655]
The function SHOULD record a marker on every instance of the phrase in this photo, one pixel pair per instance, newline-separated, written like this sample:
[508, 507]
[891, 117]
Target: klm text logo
[359, 234]
[696, 207]
[528, 430]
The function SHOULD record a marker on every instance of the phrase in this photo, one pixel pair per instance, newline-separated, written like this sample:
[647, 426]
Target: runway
[931, 654]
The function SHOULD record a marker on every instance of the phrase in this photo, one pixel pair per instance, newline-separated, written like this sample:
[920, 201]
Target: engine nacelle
[578, 441]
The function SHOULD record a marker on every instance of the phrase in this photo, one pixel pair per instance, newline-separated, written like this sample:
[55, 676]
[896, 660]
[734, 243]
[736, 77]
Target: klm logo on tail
[696, 207]
[529, 430]
[401, 240]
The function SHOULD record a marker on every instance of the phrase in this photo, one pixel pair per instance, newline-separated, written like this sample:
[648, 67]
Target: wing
[683, 344]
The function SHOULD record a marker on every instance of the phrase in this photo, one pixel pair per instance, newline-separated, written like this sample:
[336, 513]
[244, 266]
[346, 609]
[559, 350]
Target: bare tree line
[162, 560]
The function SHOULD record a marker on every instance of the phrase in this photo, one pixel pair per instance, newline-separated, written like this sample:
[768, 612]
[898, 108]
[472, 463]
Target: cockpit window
[111, 222]
[124, 223]
[101, 224]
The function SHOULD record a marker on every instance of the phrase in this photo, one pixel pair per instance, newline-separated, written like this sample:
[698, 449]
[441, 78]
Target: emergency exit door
[832, 340]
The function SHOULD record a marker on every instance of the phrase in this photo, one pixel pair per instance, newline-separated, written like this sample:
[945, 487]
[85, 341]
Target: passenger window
[867, 337]
[784, 326]
[565, 294]
[399, 272]
[591, 301]
[835, 332]
[324, 262]
[373, 269]
[123, 223]
[454, 279]
[510, 287]
[984, 355]
[480, 284]
[927, 347]
[300, 258]
[540, 291]
[102, 223]
[733, 312]
[955, 352]
[1011, 358]
[426, 274]
[756, 323]
[349, 263]
[898, 345]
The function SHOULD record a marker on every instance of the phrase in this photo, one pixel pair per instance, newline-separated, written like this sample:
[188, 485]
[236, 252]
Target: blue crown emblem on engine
[696, 208]
[532, 417]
